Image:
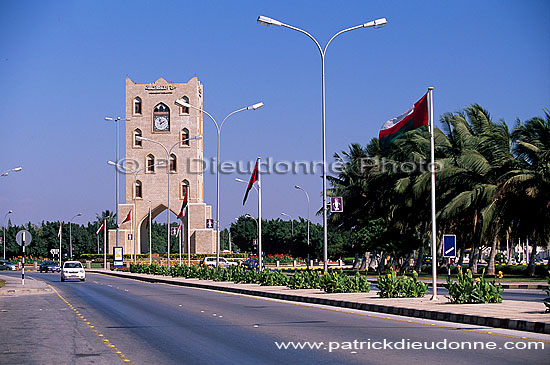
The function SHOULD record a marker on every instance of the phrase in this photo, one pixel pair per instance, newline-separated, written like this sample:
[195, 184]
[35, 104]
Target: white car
[73, 270]
[211, 261]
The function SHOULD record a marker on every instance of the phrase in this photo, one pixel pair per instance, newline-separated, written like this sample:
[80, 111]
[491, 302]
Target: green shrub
[305, 280]
[272, 278]
[338, 282]
[388, 285]
[468, 289]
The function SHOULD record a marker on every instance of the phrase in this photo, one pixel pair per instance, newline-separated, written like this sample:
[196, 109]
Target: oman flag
[415, 117]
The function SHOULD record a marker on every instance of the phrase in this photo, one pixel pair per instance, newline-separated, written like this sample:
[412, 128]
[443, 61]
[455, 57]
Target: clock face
[161, 123]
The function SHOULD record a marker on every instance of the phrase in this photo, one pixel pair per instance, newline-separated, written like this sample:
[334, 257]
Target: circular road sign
[19, 237]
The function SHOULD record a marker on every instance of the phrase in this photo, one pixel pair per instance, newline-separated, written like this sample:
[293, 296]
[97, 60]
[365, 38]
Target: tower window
[137, 106]
[184, 109]
[173, 163]
[150, 163]
[138, 193]
[137, 142]
[184, 137]
[185, 189]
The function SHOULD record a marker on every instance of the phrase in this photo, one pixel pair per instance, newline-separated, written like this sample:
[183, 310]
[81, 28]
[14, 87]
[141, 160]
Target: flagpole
[180, 243]
[150, 244]
[187, 236]
[434, 228]
[104, 244]
[259, 216]
[60, 233]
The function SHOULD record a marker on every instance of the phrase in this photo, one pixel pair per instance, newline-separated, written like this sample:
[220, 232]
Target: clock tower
[161, 156]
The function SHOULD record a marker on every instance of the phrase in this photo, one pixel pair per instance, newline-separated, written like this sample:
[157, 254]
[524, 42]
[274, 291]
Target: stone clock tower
[152, 113]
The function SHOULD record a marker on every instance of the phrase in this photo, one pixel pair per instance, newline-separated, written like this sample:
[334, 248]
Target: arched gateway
[151, 113]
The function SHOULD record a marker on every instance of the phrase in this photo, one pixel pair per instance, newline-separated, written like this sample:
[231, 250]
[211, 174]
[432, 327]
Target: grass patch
[2, 283]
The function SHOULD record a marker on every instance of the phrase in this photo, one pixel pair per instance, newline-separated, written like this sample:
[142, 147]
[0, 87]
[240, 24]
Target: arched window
[173, 163]
[150, 163]
[138, 192]
[137, 106]
[161, 118]
[137, 142]
[184, 109]
[184, 137]
[185, 189]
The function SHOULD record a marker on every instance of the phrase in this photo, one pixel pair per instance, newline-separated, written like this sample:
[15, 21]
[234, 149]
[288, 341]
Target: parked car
[49, 266]
[211, 261]
[6, 265]
[73, 270]
[250, 264]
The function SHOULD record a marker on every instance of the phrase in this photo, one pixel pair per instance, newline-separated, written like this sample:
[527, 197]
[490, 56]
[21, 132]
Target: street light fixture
[307, 196]
[291, 222]
[256, 106]
[15, 169]
[71, 236]
[4, 225]
[263, 20]
[168, 152]
[116, 120]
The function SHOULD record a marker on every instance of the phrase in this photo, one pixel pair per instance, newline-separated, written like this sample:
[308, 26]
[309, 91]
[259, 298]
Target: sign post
[449, 249]
[23, 238]
[118, 256]
[336, 205]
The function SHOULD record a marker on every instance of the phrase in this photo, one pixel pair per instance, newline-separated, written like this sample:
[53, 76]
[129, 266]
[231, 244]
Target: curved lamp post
[4, 225]
[263, 20]
[256, 106]
[307, 196]
[168, 152]
[291, 222]
[15, 169]
[71, 234]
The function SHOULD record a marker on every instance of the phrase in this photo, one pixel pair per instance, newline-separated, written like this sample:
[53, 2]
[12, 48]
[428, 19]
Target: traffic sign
[54, 251]
[210, 223]
[174, 231]
[336, 205]
[130, 236]
[449, 245]
[23, 237]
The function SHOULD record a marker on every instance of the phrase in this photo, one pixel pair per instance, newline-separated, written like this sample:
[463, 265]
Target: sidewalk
[515, 315]
[13, 286]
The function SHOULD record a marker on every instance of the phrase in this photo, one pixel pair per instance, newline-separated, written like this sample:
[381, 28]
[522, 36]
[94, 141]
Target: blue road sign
[336, 205]
[449, 245]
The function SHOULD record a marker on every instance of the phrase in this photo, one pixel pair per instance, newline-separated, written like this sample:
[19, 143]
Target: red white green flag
[184, 204]
[253, 179]
[100, 228]
[128, 218]
[59, 231]
[415, 117]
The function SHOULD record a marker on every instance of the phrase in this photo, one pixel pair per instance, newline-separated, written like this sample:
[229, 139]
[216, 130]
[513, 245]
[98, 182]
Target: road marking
[106, 342]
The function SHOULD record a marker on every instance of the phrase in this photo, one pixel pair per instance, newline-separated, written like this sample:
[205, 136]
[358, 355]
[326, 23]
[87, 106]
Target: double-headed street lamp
[291, 222]
[256, 106]
[168, 152]
[4, 225]
[71, 234]
[15, 169]
[116, 120]
[263, 20]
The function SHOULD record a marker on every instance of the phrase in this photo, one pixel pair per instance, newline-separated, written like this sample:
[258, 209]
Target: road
[158, 323]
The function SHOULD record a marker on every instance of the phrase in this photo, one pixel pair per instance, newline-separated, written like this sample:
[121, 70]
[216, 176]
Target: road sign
[449, 245]
[174, 231]
[130, 236]
[118, 256]
[23, 237]
[54, 251]
[210, 223]
[336, 205]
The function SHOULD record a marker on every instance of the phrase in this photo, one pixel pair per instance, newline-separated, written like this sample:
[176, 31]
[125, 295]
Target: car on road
[211, 261]
[49, 265]
[250, 264]
[73, 270]
[6, 265]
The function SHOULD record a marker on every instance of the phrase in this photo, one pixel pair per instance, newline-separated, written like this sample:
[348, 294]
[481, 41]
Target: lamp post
[71, 234]
[15, 169]
[258, 190]
[168, 152]
[116, 120]
[256, 106]
[291, 222]
[263, 20]
[307, 196]
[4, 225]
[135, 173]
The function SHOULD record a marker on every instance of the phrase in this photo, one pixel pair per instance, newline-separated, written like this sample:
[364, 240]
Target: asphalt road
[156, 323]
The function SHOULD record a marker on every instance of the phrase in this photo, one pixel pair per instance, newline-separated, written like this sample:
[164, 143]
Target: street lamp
[71, 236]
[256, 106]
[307, 196]
[116, 120]
[259, 226]
[168, 152]
[4, 225]
[160, 163]
[263, 20]
[291, 222]
[15, 169]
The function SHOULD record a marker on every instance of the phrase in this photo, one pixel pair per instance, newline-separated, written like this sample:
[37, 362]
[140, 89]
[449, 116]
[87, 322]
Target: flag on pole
[179, 229]
[59, 231]
[415, 117]
[128, 218]
[100, 228]
[253, 179]
[184, 204]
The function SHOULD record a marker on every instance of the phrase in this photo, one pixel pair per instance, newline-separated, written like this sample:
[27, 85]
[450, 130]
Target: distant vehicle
[250, 264]
[49, 266]
[6, 265]
[211, 261]
[73, 270]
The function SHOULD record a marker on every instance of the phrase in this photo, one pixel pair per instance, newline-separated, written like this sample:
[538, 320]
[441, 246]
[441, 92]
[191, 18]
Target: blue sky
[63, 66]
